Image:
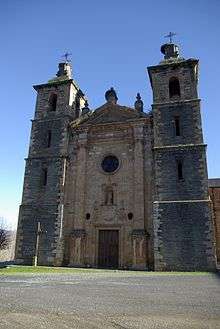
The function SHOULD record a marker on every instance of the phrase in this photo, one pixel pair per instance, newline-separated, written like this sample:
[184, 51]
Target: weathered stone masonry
[214, 191]
[118, 187]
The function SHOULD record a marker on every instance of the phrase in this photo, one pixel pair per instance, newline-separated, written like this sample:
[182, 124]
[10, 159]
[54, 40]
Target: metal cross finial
[66, 55]
[170, 35]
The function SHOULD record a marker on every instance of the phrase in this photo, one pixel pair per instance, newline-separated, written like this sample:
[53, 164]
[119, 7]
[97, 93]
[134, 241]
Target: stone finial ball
[111, 95]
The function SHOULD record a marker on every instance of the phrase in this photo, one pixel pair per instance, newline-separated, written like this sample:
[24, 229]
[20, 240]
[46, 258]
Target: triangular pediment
[111, 113]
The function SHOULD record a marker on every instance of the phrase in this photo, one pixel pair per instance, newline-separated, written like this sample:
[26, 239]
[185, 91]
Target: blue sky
[112, 43]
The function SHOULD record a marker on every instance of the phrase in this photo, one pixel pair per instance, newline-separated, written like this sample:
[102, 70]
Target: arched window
[53, 102]
[174, 87]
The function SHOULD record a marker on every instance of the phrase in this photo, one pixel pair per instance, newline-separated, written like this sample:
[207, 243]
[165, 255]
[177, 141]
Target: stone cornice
[127, 123]
[177, 102]
[55, 83]
[182, 201]
[58, 83]
[178, 146]
[109, 141]
[65, 116]
[46, 157]
[164, 65]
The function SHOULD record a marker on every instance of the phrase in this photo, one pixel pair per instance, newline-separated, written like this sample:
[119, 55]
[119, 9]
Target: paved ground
[110, 300]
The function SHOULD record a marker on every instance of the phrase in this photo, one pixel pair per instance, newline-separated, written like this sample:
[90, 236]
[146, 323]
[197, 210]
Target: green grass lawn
[65, 270]
[44, 269]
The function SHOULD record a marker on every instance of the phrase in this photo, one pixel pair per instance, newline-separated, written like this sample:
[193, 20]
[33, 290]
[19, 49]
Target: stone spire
[138, 105]
[111, 96]
[85, 109]
[170, 50]
[65, 70]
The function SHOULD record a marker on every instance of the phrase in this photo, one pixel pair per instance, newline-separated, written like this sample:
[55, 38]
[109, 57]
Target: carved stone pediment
[109, 113]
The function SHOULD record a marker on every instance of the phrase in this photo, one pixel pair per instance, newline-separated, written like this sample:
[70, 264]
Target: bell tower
[59, 101]
[182, 217]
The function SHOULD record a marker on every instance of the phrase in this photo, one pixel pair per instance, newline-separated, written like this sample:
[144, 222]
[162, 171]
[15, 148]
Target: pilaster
[138, 178]
[80, 181]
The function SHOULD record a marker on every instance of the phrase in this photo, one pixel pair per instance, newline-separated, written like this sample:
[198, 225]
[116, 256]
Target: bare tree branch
[4, 234]
[4, 239]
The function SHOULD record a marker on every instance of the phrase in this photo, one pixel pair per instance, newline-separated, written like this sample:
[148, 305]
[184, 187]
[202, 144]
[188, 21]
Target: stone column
[139, 235]
[78, 235]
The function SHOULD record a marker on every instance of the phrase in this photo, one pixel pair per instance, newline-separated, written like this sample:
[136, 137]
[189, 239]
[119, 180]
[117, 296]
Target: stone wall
[214, 192]
[189, 118]
[183, 236]
[193, 185]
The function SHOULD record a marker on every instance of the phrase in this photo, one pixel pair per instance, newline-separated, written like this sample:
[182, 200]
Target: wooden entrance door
[108, 251]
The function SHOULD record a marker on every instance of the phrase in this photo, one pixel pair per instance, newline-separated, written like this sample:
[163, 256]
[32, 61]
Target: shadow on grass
[31, 270]
[6, 264]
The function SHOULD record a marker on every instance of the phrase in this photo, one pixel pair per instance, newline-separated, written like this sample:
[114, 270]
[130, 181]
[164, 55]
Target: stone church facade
[117, 187]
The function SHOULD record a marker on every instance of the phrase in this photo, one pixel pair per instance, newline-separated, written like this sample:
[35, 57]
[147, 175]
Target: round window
[110, 163]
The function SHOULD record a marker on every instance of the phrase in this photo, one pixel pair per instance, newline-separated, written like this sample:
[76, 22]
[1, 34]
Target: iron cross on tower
[170, 36]
[66, 55]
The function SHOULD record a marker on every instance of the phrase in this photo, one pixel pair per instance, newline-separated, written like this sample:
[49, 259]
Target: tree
[3, 239]
[4, 235]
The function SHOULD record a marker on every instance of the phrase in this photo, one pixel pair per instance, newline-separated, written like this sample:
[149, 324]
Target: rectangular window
[53, 102]
[44, 177]
[180, 169]
[177, 125]
[49, 138]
